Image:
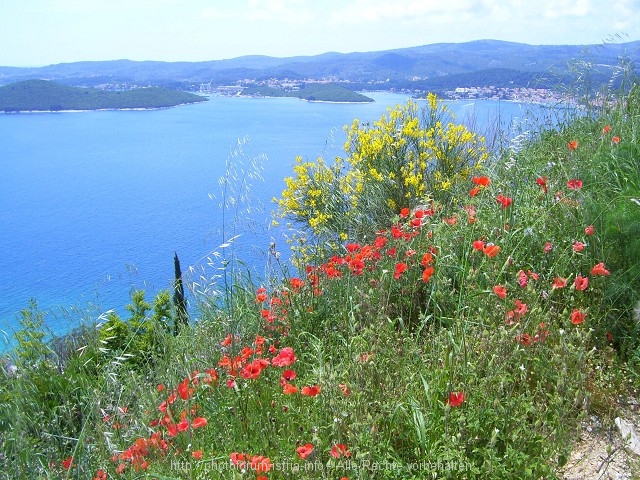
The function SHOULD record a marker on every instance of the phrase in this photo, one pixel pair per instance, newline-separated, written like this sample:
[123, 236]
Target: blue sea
[93, 204]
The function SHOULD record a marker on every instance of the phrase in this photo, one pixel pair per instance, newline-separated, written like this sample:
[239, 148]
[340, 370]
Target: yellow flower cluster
[408, 155]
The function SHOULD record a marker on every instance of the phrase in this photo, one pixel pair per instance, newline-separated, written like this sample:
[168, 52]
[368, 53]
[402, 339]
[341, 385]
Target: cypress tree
[179, 302]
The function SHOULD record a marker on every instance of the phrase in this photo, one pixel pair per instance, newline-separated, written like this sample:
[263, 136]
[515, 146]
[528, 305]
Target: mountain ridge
[399, 65]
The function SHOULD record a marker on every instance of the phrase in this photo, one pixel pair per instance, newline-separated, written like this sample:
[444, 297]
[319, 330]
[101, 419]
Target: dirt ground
[602, 453]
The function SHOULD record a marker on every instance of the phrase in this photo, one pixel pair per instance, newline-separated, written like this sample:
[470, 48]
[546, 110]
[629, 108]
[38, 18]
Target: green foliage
[42, 95]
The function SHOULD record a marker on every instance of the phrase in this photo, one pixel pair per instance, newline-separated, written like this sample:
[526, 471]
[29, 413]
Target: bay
[93, 204]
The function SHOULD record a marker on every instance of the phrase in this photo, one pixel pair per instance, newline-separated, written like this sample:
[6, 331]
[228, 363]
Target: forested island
[43, 95]
[313, 92]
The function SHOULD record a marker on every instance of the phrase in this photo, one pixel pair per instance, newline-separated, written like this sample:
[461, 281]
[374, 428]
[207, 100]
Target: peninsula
[43, 95]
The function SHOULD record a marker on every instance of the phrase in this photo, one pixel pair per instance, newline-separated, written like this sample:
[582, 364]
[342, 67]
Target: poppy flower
[548, 247]
[478, 245]
[400, 269]
[578, 246]
[574, 184]
[491, 250]
[311, 391]
[500, 291]
[289, 389]
[524, 339]
[199, 422]
[482, 181]
[427, 259]
[577, 316]
[260, 463]
[261, 295]
[426, 274]
[284, 358]
[296, 283]
[288, 375]
[559, 283]
[573, 144]
[183, 425]
[606, 129]
[581, 283]
[67, 463]
[344, 389]
[542, 181]
[352, 247]
[523, 280]
[590, 230]
[615, 140]
[474, 191]
[600, 270]
[404, 213]
[183, 389]
[197, 454]
[455, 399]
[305, 450]
[172, 429]
[340, 450]
[504, 201]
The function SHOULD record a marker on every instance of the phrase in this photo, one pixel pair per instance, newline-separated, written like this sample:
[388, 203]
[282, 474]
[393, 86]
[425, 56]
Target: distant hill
[42, 95]
[482, 60]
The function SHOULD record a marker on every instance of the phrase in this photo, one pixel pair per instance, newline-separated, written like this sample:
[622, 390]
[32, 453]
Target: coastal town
[516, 94]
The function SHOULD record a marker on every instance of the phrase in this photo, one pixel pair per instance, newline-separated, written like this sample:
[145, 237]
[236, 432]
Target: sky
[45, 32]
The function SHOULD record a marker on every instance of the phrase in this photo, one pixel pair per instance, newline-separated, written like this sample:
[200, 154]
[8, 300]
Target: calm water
[95, 203]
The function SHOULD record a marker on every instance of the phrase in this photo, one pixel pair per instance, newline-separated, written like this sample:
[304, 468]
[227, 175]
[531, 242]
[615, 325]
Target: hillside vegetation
[42, 95]
[448, 310]
[312, 92]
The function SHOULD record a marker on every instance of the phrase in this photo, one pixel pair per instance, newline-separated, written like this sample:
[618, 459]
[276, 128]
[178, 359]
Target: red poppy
[260, 463]
[478, 245]
[261, 295]
[311, 391]
[289, 389]
[400, 269]
[524, 339]
[183, 389]
[67, 463]
[600, 270]
[578, 246]
[590, 230]
[504, 201]
[573, 144]
[581, 283]
[574, 184]
[340, 450]
[238, 459]
[199, 422]
[352, 247]
[344, 389]
[197, 454]
[542, 181]
[491, 250]
[427, 259]
[455, 399]
[606, 129]
[285, 358]
[288, 375]
[100, 475]
[426, 274]
[172, 429]
[523, 280]
[474, 191]
[305, 450]
[404, 212]
[296, 283]
[500, 291]
[577, 316]
[559, 283]
[482, 181]
[615, 140]
[183, 425]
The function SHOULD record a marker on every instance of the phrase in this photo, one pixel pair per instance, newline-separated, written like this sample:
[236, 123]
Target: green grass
[419, 348]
